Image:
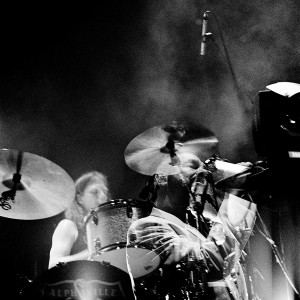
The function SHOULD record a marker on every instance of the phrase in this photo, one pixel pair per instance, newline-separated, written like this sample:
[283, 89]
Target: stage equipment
[80, 280]
[255, 177]
[205, 34]
[158, 147]
[107, 227]
[32, 187]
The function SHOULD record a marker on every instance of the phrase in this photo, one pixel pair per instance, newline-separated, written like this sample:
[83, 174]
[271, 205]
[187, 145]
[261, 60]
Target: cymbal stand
[197, 271]
[276, 253]
[196, 202]
[175, 161]
[10, 194]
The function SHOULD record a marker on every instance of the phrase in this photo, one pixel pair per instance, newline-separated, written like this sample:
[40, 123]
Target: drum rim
[122, 245]
[117, 203]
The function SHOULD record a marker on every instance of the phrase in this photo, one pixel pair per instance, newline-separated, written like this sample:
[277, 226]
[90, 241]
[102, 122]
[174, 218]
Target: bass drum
[81, 280]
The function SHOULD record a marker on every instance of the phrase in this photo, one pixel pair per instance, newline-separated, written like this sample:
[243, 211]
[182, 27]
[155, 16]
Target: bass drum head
[81, 280]
[141, 260]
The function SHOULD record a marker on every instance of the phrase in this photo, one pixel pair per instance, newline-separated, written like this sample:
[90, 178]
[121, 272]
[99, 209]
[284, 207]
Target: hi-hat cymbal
[158, 147]
[40, 188]
[254, 178]
[223, 170]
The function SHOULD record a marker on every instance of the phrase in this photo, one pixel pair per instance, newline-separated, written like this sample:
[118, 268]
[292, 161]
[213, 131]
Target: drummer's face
[189, 166]
[93, 195]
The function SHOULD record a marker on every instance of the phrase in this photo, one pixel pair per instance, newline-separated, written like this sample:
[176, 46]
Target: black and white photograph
[150, 150]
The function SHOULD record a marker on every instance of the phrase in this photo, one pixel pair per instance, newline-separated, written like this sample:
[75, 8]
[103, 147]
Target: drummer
[168, 230]
[69, 238]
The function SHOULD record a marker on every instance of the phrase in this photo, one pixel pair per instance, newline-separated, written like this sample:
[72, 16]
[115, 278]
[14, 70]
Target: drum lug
[129, 211]
[97, 245]
[95, 217]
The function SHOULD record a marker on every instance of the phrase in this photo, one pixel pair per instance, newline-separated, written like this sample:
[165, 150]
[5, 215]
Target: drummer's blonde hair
[76, 211]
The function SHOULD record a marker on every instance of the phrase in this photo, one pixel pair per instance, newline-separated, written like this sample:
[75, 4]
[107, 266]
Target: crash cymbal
[160, 147]
[40, 188]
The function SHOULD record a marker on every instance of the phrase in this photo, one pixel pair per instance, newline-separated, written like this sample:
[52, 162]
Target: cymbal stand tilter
[16, 180]
[265, 233]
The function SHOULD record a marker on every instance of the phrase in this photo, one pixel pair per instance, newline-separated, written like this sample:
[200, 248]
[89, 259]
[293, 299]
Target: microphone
[199, 189]
[204, 33]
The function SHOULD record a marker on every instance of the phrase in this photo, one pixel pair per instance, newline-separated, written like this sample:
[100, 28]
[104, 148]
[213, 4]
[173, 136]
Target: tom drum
[107, 227]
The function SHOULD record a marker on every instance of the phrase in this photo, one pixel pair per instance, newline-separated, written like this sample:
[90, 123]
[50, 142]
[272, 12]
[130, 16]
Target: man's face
[189, 167]
[173, 193]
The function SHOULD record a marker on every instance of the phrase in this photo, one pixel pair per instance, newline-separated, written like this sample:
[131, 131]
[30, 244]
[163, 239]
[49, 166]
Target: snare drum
[107, 227]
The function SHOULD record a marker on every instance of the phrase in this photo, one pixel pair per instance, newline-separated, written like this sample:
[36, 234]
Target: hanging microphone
[204, 33]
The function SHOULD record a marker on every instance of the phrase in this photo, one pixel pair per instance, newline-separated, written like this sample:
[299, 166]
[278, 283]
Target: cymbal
[160, 147]
[40, 188]
[254, 178]
[222, 170]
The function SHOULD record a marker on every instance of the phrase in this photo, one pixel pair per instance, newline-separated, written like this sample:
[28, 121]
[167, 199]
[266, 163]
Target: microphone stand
[197, 272]
[276, 253]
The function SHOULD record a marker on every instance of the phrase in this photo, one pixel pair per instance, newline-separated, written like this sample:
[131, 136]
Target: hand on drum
[166, 242]
[180, 247]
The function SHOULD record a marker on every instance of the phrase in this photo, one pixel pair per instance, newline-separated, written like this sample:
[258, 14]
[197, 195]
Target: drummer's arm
[63, 239]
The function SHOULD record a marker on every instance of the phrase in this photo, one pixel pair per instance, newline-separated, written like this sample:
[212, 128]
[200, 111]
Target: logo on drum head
[81, 289]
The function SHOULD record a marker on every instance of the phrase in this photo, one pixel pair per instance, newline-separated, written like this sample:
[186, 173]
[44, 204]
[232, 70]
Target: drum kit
[33, 187]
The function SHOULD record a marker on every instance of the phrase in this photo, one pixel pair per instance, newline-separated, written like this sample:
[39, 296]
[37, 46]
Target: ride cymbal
[160, 147]
[32, 187]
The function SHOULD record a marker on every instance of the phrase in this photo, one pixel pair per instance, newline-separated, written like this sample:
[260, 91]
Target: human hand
[180, 247]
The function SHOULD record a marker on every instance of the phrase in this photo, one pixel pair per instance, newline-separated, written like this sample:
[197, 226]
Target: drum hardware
[221, 169]
[129, 211]
[228, 175]
[197, 270]
[37, 188]
[97, 243]
[95, 220]
[202, 191]
[16, 180]
[187, 280]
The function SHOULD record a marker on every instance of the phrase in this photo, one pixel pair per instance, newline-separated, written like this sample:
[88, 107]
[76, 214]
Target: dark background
[78, 82]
